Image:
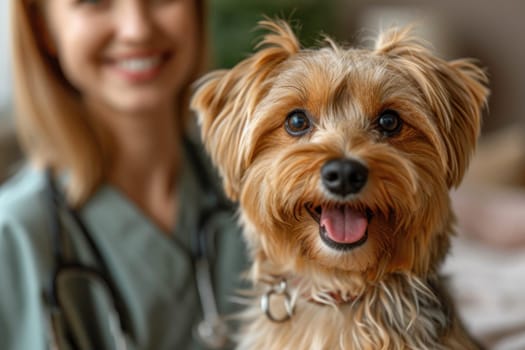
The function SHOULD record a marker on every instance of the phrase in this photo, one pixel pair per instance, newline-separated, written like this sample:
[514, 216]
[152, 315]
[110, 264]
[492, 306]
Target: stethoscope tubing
[211, 331]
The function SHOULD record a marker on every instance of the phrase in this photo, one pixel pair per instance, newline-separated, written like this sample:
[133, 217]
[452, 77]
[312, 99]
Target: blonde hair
[52, 123]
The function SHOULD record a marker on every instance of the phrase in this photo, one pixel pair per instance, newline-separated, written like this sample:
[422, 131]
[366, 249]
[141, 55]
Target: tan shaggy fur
[389, 293]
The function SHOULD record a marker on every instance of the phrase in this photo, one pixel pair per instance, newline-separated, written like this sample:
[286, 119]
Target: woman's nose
[135, 21]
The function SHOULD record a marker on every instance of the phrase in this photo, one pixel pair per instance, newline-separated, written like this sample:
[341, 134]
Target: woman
[99, 242]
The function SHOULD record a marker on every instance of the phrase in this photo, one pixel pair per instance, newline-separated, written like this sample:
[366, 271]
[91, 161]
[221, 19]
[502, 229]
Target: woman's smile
[138, 68]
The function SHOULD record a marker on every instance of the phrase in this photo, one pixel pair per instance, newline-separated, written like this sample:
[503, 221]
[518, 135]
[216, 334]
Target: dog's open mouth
[341, 227]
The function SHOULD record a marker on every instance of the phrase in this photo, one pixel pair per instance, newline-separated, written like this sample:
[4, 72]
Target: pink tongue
[343, 225]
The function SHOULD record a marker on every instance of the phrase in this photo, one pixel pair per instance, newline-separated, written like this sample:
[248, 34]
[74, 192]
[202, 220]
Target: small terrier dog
[341, 160]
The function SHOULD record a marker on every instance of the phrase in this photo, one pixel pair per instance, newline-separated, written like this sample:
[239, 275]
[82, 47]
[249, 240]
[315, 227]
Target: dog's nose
[344, 176]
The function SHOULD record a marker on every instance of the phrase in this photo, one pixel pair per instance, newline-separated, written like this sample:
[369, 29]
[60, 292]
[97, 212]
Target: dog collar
[332, 298]
[280, 290]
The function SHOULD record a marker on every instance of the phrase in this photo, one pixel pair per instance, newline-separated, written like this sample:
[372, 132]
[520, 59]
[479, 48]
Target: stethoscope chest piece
[212, 331]
[212, 334]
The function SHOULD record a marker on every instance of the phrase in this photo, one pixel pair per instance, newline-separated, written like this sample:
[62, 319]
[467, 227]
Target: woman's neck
[144, 156]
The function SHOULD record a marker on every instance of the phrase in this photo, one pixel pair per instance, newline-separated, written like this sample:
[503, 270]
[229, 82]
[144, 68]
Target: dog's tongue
[343, 224]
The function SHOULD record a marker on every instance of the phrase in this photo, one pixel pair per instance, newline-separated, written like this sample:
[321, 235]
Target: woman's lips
[140, 68]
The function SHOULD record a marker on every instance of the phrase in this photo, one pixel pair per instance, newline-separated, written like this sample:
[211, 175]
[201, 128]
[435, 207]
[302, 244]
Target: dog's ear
[225, 101]
[456, 92]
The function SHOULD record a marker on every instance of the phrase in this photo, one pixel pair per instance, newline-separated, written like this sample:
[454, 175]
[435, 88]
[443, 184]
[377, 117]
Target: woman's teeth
[139, 64]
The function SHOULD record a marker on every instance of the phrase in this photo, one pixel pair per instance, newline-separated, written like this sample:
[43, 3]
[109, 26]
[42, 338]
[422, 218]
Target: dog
[341, 160]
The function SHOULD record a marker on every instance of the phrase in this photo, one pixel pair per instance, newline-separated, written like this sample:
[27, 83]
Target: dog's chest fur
[402, 312]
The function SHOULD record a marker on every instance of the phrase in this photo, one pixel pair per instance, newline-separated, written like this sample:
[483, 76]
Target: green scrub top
[153, 272]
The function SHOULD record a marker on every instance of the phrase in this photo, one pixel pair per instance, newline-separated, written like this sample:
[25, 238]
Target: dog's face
[343, 158]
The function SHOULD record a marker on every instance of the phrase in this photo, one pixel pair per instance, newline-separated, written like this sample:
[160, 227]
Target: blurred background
[488, 258]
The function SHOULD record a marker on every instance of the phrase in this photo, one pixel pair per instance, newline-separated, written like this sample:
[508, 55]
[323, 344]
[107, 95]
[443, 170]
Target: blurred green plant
[233, 24]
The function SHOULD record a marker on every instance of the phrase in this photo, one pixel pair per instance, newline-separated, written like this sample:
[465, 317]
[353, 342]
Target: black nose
[344, 176]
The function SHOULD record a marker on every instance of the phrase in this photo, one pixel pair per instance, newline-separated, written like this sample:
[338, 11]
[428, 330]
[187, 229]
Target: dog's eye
[389, 122]
[297, 123]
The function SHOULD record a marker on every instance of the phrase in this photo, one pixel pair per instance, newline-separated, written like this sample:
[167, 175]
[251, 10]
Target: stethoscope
[212, 331]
